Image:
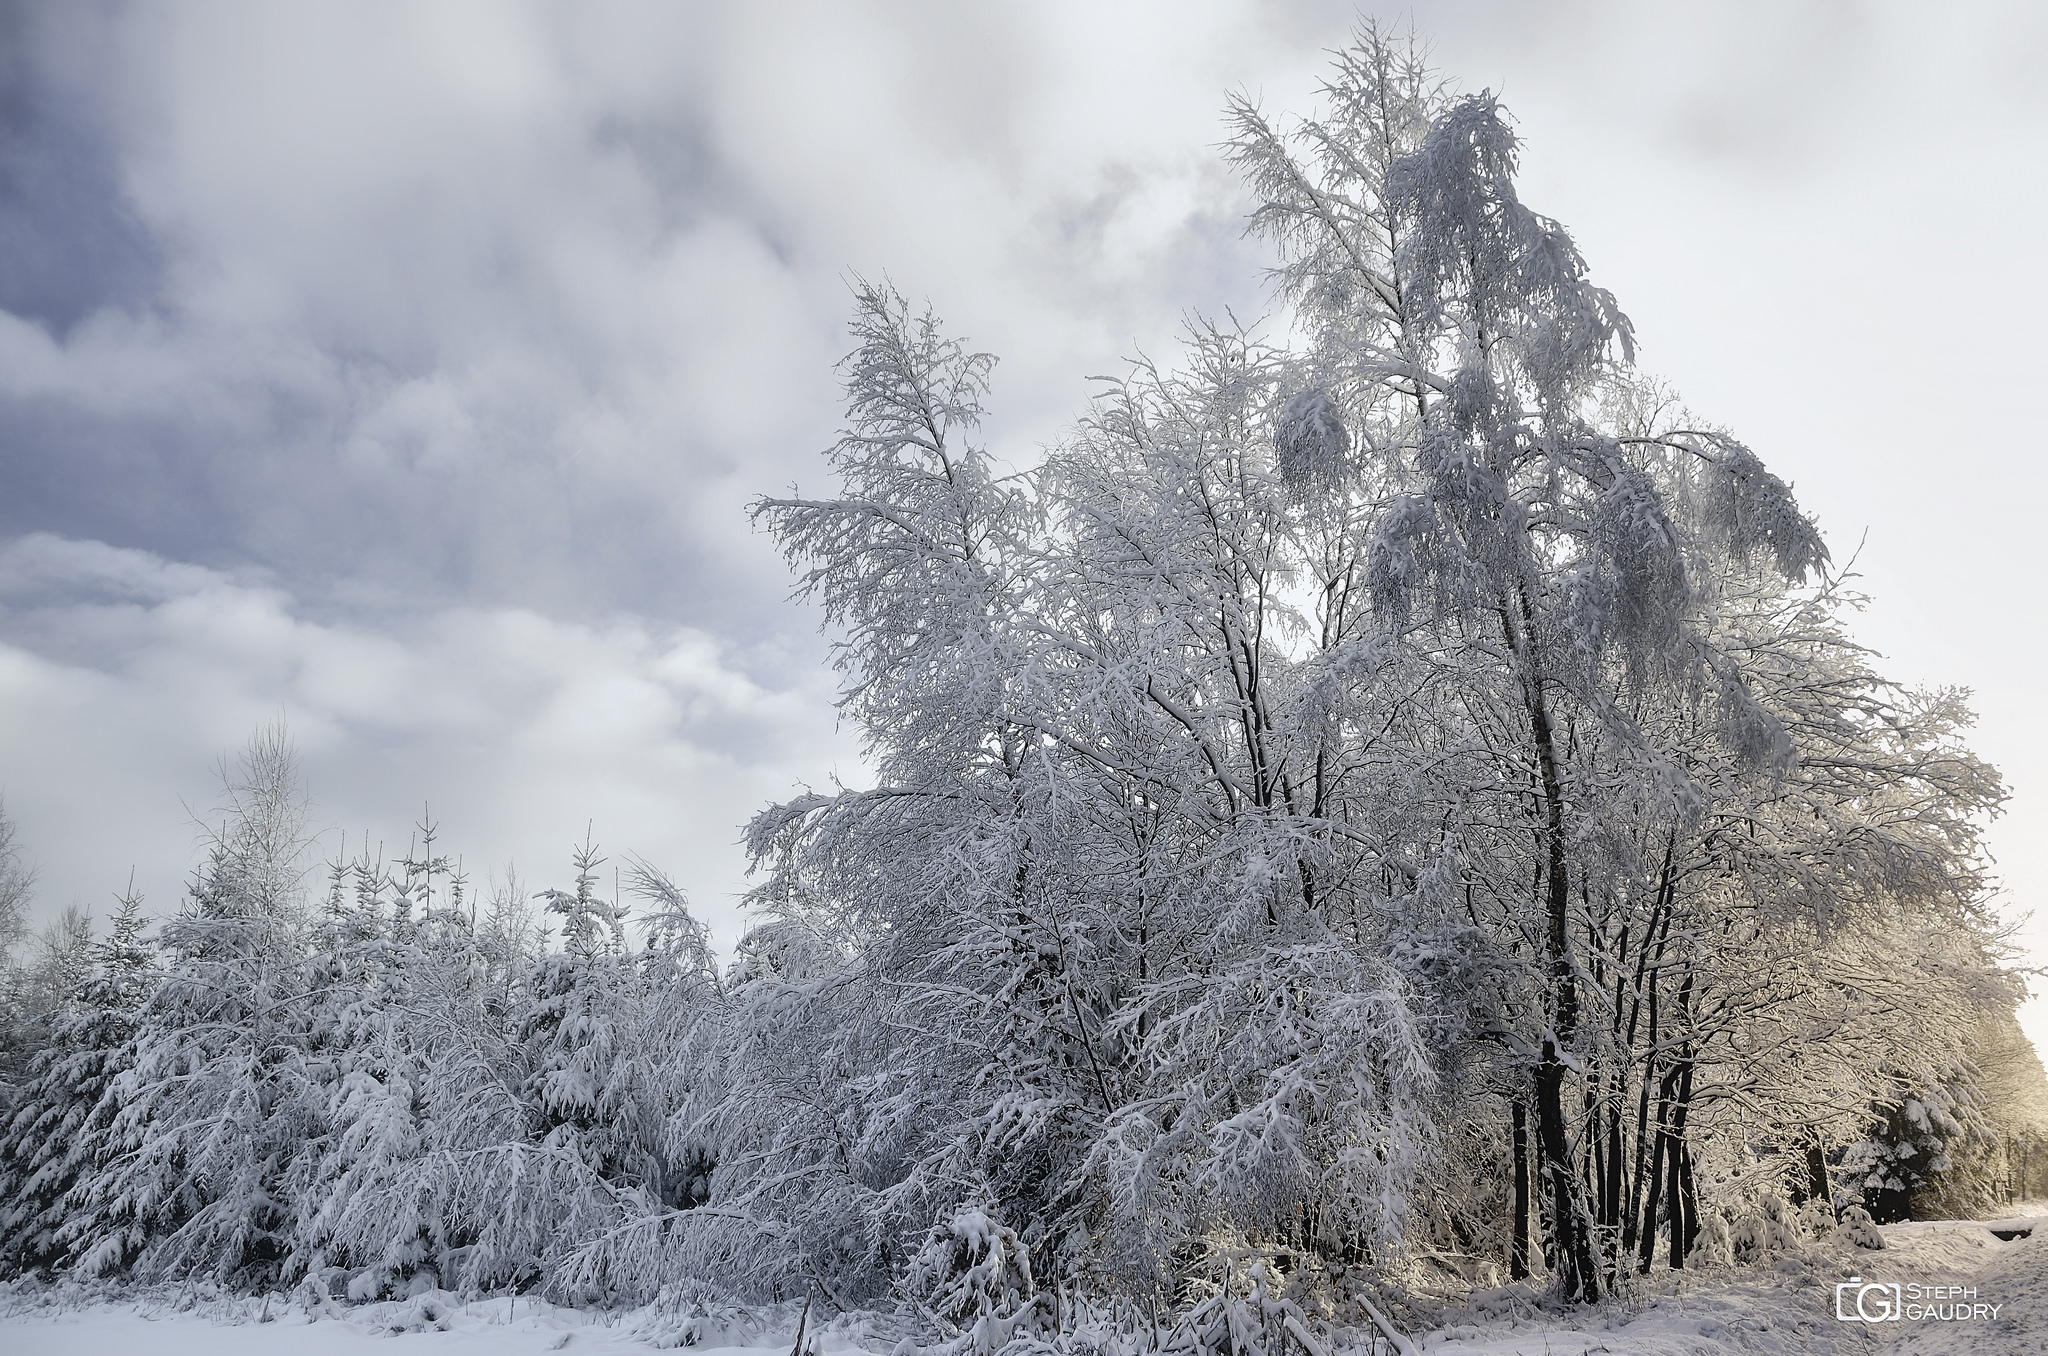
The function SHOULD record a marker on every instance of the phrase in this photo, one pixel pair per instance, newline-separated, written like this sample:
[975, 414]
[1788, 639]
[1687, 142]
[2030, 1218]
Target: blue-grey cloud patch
[529, 321]
[71, 242]
[464, 373]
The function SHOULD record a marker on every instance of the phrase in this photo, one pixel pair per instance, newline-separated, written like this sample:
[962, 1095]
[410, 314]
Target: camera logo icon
[1861, 1301]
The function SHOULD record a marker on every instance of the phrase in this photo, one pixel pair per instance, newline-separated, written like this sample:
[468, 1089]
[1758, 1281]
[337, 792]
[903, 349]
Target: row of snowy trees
[393, 1088]
[379, 1089]
[1399, 789]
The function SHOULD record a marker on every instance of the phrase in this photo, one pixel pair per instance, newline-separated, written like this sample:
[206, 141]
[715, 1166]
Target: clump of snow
[1768, 1229]
[698, 1317]
[1815, 1219]
[1715, 1245]
[1858, 1229]
[1507, 1301]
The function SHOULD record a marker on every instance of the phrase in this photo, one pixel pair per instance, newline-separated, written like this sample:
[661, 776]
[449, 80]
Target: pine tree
[61, 1135]
[18, 1015]
[218, 1101]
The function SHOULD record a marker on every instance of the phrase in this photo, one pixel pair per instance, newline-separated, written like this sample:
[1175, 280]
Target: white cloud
[518, 729]
[454, 301]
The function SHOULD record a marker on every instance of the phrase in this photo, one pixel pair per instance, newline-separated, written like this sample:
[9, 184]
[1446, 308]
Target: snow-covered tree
[61, 1134]
[579, 1027]
[217, 1102]
[18, 1009]
[1427, 662]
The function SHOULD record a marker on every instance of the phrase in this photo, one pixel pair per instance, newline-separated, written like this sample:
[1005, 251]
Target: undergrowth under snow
[1783, 1307]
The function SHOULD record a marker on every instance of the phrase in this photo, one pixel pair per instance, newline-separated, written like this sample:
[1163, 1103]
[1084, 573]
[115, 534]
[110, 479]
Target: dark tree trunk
[1814, 1186]
[1565, 1222]
[1611, 1179]
[1684, 1207]
[1649, 968]
[1688, 1197]
[1654, 1195]
[1569, 1251]
[1640, 1181]
[1568, 1244]
[1674, 1224]
[1633, 1208]
[1518, 1243]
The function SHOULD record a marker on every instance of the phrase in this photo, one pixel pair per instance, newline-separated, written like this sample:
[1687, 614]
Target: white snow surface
[436, 1322]
[1783, 1307]
[1786, 1306]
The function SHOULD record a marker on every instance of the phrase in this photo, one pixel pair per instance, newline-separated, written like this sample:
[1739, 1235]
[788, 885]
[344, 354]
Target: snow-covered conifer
[217, 1103]
[61, 1135]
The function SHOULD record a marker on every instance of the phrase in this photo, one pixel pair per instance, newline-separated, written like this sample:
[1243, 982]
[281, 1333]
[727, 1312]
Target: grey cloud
[124, 674]
[70, 241]
[385, 383]
[534, 333]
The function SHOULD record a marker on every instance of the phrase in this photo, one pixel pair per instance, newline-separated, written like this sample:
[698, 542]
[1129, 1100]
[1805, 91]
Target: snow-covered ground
[432, 1324]
[1785, 1307]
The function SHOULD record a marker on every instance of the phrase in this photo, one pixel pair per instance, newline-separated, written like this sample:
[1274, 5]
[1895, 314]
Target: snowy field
[1784, 1307]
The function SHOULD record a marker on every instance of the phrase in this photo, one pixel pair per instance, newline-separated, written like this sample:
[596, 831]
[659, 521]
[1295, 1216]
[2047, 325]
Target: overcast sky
[404, 369]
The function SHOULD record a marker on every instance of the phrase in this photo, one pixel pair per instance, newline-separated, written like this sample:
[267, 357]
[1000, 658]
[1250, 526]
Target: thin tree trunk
[1610, 1195]
[1674, 1224]
[1632, 1210]
[1685, 1203]
[1815, 1187]
[1518, 1244]
[1594, 1157]
[1649, 963]
[1565, 1219]
[1571, 1252]
[1656, 1176]
[1684, 1208]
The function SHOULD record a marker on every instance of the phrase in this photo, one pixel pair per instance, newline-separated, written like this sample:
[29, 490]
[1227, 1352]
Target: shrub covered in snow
[1858, 1228]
